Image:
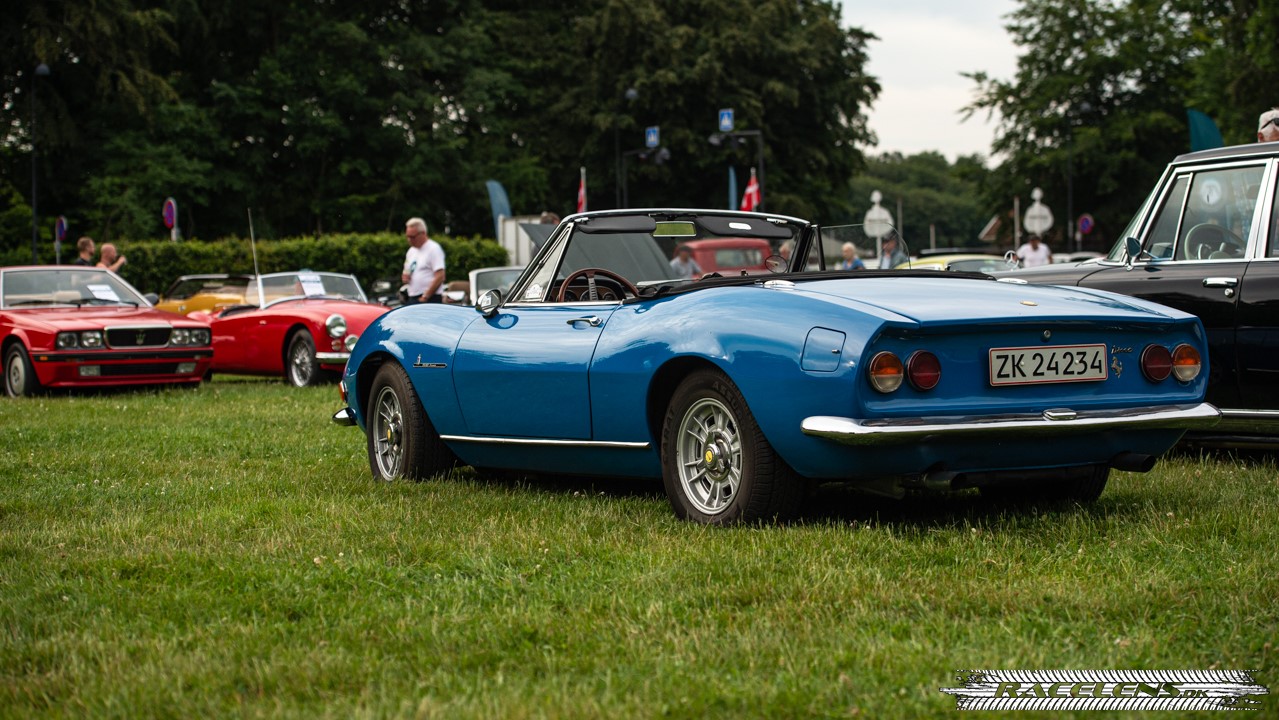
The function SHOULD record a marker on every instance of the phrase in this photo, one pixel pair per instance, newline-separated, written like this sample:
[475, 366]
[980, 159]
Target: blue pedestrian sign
[726, 120]
[652, 136]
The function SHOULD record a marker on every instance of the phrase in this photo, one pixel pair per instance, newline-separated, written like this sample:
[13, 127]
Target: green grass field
[224, 552]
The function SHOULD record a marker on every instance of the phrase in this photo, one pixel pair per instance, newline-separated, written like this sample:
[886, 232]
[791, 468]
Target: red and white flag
[750, 198]
[581, 193]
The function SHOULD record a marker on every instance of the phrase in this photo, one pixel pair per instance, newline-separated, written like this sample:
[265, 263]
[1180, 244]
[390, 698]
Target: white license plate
[1051, 364]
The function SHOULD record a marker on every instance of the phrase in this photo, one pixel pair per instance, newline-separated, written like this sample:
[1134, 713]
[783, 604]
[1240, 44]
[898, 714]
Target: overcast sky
[923, 46]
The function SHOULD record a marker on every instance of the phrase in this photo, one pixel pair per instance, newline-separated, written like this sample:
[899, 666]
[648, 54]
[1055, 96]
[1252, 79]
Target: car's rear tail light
[1156, 363]
[923, 370]
[1186, 363]
[886, 372]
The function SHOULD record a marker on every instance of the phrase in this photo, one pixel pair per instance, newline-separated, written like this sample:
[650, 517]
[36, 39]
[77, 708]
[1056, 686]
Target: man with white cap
[1268, 126]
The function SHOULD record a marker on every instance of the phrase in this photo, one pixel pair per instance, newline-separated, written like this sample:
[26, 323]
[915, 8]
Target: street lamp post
[660, 156]
[631, 95]
[717, 139]
[1069, 225]
[41, 70]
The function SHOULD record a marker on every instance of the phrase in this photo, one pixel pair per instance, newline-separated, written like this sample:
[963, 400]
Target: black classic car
[1206, 241]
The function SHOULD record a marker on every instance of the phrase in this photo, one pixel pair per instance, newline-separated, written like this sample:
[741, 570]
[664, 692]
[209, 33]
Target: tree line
[336, 117]
[349, 117]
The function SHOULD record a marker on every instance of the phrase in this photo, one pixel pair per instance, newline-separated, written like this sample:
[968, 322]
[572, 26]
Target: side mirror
[151, 298]
[775, 263]
[488, 303]
[1132, 247]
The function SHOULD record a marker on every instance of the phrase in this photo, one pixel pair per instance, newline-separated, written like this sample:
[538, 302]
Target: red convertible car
[299, 324]
[69, 326]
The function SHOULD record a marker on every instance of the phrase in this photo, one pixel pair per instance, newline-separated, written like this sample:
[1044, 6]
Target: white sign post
[1039, 219]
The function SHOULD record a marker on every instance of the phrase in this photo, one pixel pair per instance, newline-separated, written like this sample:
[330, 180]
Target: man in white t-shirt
[423, 264]
[1034, 253]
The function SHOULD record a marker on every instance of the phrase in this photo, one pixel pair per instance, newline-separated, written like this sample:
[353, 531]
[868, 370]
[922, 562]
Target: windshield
[499, 279]
[859, 247]
[291, 285]
[644, 249]
[65, 286]
[190, 287]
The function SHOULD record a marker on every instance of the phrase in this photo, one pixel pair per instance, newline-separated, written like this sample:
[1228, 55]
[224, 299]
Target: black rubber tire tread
[769, 491]
[31, 384]
[425, 454]
[1084, 489]
[300, 336]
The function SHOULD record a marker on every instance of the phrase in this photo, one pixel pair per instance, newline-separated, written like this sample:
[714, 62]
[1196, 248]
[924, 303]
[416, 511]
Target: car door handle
[592, 320]
[1220, 282]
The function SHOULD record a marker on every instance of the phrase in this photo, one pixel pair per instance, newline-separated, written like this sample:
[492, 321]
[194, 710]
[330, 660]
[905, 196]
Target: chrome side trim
[332, 357]
[540, 442]
[344, 417]
[883, 431]
[1249, 422]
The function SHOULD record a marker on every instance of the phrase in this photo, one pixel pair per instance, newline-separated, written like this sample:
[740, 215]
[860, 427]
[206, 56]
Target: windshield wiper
[77, 303]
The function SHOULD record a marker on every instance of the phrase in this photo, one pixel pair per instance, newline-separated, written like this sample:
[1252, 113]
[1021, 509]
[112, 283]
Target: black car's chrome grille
[138, 337]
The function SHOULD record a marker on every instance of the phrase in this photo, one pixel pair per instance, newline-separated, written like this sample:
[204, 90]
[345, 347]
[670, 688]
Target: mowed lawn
[225, 552]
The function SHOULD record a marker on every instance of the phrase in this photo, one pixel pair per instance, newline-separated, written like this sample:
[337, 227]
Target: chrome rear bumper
[885, 431]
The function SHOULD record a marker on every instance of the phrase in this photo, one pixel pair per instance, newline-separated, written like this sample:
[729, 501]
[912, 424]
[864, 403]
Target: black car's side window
[1273, 250]
[1163, 234]
[1218, 216]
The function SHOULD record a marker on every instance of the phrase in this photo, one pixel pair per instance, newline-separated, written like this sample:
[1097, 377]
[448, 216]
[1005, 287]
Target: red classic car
[298, 324]
[69, 326]
[730, 256]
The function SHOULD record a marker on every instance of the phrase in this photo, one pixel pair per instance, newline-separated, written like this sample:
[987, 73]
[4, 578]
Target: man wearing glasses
[1268, 126]
[423, 264]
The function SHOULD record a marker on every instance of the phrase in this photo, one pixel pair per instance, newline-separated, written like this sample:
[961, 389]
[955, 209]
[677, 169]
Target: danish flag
[750, 198]
[581, 192]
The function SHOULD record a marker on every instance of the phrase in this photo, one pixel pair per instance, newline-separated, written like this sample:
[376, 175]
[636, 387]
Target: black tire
[1075, 485]
[401, 441]
[717, 466]
[19, 376]
[300, 367]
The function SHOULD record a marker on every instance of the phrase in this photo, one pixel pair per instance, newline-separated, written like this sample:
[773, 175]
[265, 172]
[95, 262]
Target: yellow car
[960, 262]
[190, 293]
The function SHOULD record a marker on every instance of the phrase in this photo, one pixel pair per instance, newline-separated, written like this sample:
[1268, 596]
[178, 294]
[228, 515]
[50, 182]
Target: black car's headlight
[82, 339]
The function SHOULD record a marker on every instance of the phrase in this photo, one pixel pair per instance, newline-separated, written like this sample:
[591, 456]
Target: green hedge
[153, 264]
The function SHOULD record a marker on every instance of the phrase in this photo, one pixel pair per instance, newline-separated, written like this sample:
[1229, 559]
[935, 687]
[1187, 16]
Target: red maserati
[69, 326]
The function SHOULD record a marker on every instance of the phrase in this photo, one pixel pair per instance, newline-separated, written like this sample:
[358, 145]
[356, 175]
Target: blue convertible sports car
[742, 391]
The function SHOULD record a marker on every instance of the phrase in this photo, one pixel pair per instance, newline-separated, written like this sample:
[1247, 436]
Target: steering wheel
[1205, 240]
[592, 294]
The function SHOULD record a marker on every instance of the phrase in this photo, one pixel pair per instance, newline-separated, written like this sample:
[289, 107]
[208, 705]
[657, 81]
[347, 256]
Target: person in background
[549, 218]
[84, 246]
[1268, 126]
[891, 255]
[423, 265]
[111, 259]
[850, 261]
[1034, 253]
[685, 267]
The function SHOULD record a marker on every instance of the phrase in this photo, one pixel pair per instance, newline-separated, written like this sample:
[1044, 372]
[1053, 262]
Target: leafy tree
[933, 192]
[1099, 98]
[1237, 76]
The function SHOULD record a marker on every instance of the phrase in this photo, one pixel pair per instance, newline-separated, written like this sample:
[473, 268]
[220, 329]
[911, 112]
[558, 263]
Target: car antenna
[253, 246]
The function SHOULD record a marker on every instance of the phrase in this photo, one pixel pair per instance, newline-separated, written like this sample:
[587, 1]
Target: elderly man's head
[1268, 126]
[415, 231]
[109, 253]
